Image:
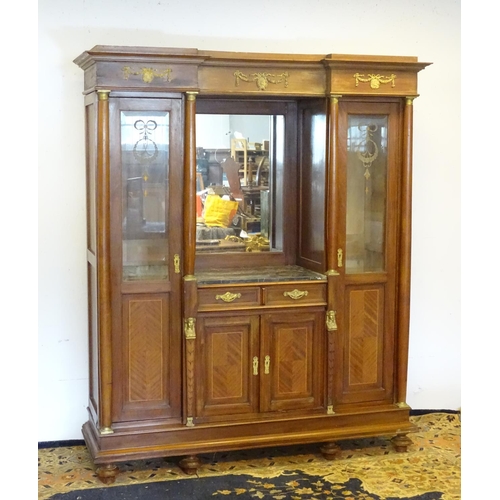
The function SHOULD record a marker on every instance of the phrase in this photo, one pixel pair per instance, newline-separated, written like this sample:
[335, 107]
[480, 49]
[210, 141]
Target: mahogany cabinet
[229, 310]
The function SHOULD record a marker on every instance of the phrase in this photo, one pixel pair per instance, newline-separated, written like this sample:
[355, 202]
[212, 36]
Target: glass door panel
[144, 162]
[367, 139]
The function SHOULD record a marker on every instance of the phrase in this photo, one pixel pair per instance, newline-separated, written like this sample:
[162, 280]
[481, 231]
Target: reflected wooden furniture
[232, 169]
[241, 145]
[248, 197]
[191, 352]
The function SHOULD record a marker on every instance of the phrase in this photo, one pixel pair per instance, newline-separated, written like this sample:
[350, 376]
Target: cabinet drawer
[228, 298]
[295, 295]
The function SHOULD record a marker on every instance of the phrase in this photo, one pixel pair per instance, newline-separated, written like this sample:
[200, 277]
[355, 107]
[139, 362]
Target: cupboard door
[145, 207]
[228, 369]
[370, 145]
[292, 352]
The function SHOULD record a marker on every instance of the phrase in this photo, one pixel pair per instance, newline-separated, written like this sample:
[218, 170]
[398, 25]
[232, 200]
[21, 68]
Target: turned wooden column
[189, 183]
[405, 256]
[190, 292]
[332, 242]
[103, 262]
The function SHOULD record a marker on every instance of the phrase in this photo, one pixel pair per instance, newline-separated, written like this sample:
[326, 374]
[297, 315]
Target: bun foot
[190, 464]
[401, 443]
[330, 451]
[107, 473]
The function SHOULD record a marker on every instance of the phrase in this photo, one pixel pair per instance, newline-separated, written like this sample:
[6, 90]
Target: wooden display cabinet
[203, 337]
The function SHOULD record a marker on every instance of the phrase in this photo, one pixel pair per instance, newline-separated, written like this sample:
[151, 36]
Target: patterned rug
[368, 469]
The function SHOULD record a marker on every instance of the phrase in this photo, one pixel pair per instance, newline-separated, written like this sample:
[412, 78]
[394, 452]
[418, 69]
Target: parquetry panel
[145, 375]
[293, 353]
[227, 354]
[364, 331]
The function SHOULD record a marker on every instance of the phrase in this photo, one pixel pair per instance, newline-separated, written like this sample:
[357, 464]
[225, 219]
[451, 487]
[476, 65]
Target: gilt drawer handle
[267, 363]
[296, 294]
[228, 296]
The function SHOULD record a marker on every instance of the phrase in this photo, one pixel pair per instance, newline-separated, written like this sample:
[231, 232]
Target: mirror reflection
[236, 158]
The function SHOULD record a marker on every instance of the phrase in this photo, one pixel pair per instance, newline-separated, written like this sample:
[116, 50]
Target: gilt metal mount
[375, 80]
[262, 80]
[148, 74]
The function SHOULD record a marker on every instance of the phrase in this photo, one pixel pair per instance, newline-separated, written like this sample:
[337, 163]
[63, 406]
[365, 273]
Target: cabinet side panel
[93, 339]
[90, 129]
[312, 159]
[93, 330]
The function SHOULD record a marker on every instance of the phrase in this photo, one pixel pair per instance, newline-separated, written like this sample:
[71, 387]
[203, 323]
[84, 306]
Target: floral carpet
[368, 469]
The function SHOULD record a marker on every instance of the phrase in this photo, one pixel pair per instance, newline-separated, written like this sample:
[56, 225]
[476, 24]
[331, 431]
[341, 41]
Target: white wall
[427, 29]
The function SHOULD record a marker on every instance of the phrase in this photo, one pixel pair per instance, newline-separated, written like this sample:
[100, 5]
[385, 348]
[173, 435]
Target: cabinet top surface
[266, 274]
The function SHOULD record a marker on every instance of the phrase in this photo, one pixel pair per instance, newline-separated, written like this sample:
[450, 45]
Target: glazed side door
[369, 149]
[145, 208]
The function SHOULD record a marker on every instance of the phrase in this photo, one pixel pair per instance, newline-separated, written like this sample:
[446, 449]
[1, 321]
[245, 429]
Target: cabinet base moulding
[141, 444]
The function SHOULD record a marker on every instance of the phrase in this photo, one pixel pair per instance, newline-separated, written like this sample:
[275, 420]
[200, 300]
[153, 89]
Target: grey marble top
[257, 275]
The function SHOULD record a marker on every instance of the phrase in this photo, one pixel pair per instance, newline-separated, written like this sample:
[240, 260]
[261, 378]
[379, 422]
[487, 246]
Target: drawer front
[221, 298]
[295, 295]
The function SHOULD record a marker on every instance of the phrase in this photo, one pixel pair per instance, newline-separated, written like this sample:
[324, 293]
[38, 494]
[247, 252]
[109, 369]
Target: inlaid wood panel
[146, 348]
[228, 346]
[364, 336]
[368, 346]
[293, 348]
[293, 353]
